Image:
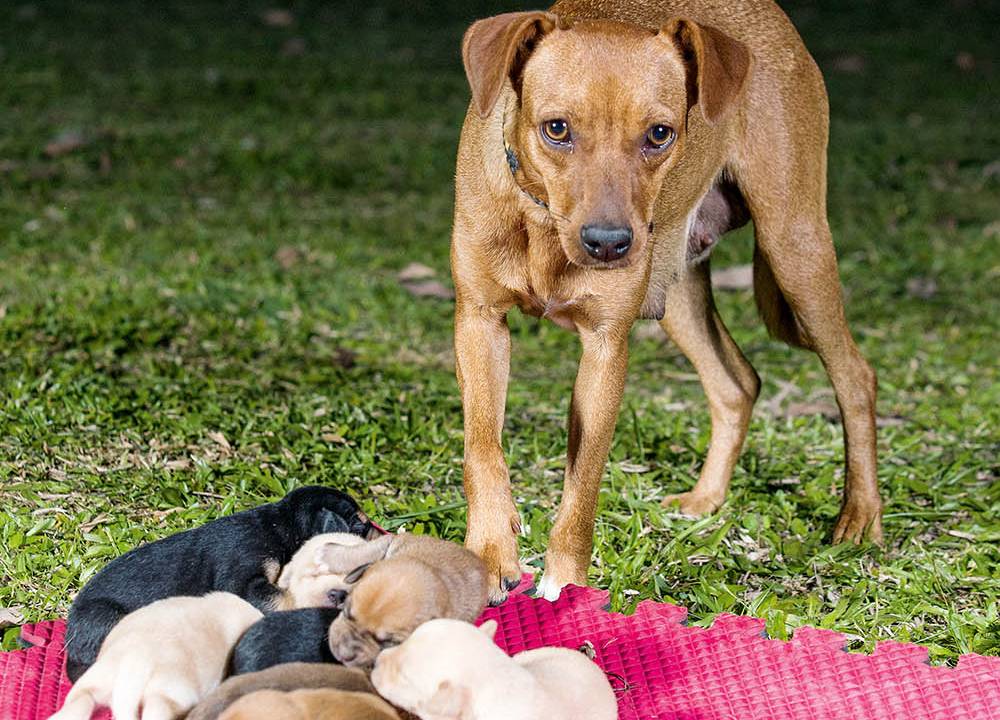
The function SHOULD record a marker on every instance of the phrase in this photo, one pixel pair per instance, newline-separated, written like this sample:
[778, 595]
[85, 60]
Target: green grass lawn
[199, 310]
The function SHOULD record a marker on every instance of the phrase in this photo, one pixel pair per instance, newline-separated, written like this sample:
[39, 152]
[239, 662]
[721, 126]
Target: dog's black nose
[606, 243]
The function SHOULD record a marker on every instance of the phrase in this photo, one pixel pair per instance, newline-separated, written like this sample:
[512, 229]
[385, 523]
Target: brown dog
[284, 678]
[310, 705]
[608, 145]
[421, 578]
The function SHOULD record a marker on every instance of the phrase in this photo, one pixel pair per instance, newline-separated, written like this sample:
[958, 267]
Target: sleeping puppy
[298, 636]
[421, 578]
[241, 554]
[315, 576]
[163, 658]
[310, 705]
[290, 676]
[450, 669]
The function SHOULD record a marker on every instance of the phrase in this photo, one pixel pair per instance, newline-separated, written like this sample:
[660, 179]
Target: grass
[199, 311]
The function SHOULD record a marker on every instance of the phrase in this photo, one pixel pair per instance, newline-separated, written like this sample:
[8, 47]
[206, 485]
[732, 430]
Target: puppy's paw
[859, 520]
[499, 554]
[694, 504]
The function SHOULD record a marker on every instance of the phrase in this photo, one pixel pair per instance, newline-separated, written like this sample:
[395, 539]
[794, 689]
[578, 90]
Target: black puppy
[241, 554]
[283, 637]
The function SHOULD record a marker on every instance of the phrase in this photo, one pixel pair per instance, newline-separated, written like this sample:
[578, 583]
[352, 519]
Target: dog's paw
[499, 554]
[859, 520]
[549, 588]
[694, 504]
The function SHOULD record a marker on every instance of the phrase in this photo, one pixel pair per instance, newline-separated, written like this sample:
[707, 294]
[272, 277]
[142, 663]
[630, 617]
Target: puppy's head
[315, 576]
[437, 670]
[389, 602]
[600, 116]
[316, 510]
[264, 705]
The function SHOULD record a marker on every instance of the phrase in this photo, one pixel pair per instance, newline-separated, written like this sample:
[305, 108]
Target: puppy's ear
[357, 573]
[342, 559]
[717, 66]
[448, 701]
[496, 48]
[489, 629]
[327, 521]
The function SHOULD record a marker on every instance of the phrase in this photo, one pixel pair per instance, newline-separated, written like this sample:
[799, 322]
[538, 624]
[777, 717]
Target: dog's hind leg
[730, 382]
[798, 286]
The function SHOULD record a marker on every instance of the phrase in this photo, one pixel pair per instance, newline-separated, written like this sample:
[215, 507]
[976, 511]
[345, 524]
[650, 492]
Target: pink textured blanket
[660, 667]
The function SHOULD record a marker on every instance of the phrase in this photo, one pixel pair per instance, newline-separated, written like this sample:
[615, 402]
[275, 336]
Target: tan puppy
[450, 670]
[608, 145]
[287, 677]
[163, 658]
[315, 576]
[421, 578]
[310, 705]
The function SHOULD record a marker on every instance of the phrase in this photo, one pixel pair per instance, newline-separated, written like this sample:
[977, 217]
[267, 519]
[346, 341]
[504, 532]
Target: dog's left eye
[556, 131]
[660, 136]
[386, 643]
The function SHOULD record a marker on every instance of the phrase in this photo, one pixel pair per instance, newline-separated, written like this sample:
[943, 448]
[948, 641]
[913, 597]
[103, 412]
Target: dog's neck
[514, 164]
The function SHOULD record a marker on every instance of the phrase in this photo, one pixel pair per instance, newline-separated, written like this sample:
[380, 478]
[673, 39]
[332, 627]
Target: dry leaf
[11, 616]
[65, 142]
[429, 288]
[277, 17]
[415, 271]
[633, 468]
[825, 408]
[921, 287]
[220, 440]
[850, 64]
[965, 61]
[287, 256]
[737, 277]
[334, 438]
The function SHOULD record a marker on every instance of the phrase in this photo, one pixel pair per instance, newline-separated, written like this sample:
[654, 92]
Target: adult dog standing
[608, 145]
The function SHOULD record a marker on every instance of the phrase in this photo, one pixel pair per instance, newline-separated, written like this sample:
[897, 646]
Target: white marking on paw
[549, 588]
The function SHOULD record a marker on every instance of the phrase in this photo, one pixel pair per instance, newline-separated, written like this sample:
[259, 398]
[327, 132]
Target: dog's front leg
[482, 364]
[597, 395]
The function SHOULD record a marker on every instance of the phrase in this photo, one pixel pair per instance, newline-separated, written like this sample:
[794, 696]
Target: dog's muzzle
[606, 243]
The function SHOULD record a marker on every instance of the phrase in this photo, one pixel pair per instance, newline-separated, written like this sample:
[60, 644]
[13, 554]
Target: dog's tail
[773, 305]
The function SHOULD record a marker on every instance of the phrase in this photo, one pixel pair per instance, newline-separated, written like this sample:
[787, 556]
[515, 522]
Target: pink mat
[661, 668]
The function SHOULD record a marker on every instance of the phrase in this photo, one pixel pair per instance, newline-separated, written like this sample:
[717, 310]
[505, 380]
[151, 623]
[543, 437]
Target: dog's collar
[514, 164]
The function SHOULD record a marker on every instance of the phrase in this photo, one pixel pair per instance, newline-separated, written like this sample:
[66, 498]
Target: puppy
[450, 669]
[421, 578]
[298, 636]
[163, 658]
[290, 676]
[315, 576]
[241, 554]
[310, 705]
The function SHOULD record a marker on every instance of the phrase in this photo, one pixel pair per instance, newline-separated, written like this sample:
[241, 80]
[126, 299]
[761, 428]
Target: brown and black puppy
[310, 705]
[283, 678]
[608, 145]
[421, 578]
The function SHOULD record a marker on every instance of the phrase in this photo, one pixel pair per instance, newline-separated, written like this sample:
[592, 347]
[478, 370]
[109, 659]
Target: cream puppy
[419, 578]
[315, 576]
[449, 670]
[163, 657]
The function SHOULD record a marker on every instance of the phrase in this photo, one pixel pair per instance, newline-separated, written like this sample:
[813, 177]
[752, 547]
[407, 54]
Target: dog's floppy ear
[357, 573]
[448, 701]
[496, 48]
[489, 629]
[718, 65]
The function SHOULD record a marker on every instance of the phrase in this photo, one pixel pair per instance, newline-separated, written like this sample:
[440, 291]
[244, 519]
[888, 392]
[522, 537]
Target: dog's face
[600, 118]
[435, 672]
[316, 576]
[383, 609]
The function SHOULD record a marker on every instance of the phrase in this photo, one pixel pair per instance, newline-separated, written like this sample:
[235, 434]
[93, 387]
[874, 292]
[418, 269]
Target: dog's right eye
[556, 131]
